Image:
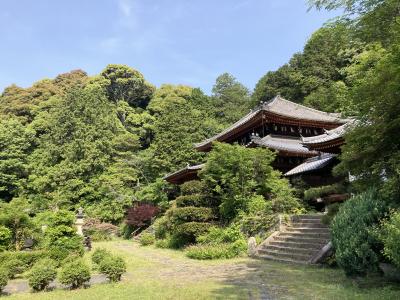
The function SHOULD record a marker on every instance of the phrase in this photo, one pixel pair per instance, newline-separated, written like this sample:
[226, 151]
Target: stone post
[79, 221]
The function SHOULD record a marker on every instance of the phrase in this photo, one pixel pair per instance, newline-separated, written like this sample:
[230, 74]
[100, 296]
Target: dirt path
[238, 273]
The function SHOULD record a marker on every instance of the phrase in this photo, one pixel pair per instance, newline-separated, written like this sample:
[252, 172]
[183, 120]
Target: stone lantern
[79, 221]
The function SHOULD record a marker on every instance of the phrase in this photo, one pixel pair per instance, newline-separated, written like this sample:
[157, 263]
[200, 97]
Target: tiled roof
[282, 143]
[242, 121]
[290, 109]
[311, 164]
[281, 107]
[329, 135]
[184, 170]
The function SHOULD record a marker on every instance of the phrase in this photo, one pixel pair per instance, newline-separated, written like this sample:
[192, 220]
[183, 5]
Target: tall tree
[79, 147]
[126, 84]
[231, 98]
[372, 150]
[16, 143]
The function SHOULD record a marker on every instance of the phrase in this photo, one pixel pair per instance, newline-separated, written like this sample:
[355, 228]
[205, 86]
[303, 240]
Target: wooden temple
[297, 133]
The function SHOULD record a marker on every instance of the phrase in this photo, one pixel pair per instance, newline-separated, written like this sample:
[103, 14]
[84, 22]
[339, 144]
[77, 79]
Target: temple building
[306, 140]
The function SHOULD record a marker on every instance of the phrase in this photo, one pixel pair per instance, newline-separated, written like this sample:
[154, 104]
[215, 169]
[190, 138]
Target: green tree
[372, 150]
[126, 84]
[235, 174]
[16, 143]
[178, 124]
[83, 140]
[231, 99]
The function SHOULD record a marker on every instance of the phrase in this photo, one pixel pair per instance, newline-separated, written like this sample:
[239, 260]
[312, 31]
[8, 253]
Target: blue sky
[170, 41]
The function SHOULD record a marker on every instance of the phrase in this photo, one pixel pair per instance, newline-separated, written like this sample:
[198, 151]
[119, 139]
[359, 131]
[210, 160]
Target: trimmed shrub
[113, 267]
[190, 200]
[217, 251]
[14, 267]
[391, 238]
[332, 211]
[5, 237]
[99, 255]
[187, 233]
[62, 217]
[357, 247]
[147, 238]
[321, 191]
[3, 279]
[190, 214]
[74, 274]
[64, 246]
[42, 274]
[161, 227]
[192, 187]
[218, 235]
[27, 258]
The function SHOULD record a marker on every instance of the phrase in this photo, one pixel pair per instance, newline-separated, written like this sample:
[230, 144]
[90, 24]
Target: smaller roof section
[312, 164]
[184, 174]
[286, 144]
[333, 138]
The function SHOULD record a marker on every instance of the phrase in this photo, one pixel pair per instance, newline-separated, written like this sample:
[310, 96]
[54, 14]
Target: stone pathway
[21, 286]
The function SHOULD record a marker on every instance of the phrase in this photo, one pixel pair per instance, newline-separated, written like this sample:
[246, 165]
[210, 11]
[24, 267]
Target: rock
[252, 247]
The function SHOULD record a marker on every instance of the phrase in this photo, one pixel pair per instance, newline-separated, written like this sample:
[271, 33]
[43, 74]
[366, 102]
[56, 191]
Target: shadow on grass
[273, 280]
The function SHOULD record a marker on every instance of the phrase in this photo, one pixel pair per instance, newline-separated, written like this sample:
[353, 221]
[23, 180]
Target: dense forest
[105, 142]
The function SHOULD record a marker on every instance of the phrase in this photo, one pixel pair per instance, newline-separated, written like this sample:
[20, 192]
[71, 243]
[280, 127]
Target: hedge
[192, 187]
[357, 247]
[188, 232]
[190, 214]
[189, 200]
[27, 257]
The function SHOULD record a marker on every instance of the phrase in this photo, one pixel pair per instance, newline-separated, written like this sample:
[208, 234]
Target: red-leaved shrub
[140, 214]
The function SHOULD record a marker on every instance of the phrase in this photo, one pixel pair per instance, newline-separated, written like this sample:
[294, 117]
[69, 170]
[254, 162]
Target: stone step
[307, 217]
[301, 239]
[285, 255]
[293, 250]
[297, 244]
[314, 221]
[312, 235]
[307, 230]
[308, 225]
[284, 260]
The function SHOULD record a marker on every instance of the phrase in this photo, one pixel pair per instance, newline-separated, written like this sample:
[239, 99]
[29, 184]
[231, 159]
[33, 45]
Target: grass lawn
[166, 274]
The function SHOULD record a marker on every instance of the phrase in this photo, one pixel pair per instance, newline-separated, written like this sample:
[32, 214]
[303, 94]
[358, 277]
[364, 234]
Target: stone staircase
[300, 241]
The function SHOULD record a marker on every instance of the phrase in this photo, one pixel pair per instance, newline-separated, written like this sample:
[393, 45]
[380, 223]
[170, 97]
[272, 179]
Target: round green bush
[192, 187]
[161, 227]
[147, 238]
[99, 254]
[189, 200]
[3, 278]
[190, 214]
[5, 237]
[187, 233]
[391, 238]
[42, 274]
[28, 258]
[74, 274]
[14, 267]
[65, 246]
[357, 248]
[113, 267]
